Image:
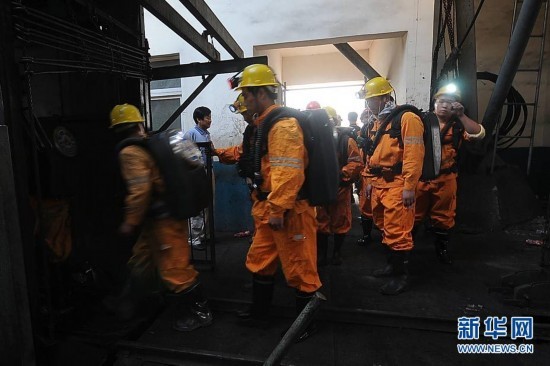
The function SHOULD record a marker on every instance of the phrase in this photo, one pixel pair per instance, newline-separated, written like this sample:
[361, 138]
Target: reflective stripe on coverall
[283, 175]
[162, 244]
[336, 218]
[389, 213]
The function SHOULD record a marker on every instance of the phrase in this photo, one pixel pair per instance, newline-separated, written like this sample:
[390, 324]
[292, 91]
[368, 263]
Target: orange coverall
[436, 198]
[229, 155]
[336, 218]
[162, 244]
[389, 213]
[283, 175]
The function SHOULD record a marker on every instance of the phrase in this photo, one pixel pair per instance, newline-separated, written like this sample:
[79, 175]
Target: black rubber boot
[337, 252]
[130, 303]
[197, 312]
[388, 269]
[441, 245]
[322, 245]
[400, 280]
[257, 314]
[366, 225]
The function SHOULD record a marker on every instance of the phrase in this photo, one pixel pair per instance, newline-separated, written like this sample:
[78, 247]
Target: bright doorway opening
[339, 95]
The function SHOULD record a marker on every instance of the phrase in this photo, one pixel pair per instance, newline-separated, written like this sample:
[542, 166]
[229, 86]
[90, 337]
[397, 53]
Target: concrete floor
[358, 325]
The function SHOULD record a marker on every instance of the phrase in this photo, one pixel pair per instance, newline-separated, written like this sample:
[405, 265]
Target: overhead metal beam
[214, 27]
[185, 104]
[170, 17]
[205, 68]
[357, 60]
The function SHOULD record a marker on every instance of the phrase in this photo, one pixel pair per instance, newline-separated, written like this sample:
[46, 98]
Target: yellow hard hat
[331, 112]
[257, 75]
[449, 89]
[238, 105]
[377, 86]
[125, 113]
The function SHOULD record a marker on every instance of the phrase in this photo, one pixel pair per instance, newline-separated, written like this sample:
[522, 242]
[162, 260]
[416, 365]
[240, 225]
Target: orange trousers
[162, 246]
[336, 218]
[364, 202]
[295, 246]
[391, 216]
[436, 199]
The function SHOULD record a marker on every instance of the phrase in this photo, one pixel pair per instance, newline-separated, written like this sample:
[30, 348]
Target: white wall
[387, 57]
[254, 23]
[323, 68]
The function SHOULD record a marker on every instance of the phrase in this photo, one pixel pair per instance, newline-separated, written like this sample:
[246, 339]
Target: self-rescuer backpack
[187, 189]
[322, 173]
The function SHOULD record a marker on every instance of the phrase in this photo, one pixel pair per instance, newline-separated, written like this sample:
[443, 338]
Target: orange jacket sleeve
[352, 170]
[412, 131]
[287, 161]
[136, 167]
[229, 155]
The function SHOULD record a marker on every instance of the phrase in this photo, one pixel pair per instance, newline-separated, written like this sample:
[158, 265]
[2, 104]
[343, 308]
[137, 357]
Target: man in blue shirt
[203, 119]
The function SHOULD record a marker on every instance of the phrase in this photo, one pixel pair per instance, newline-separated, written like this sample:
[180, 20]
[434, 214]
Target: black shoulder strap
[394, 117]
[139, 141]
[273, 117]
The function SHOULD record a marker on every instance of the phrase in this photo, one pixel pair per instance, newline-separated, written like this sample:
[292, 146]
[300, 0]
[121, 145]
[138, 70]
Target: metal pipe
[82, 68]
[467, 66]
[106, 62]
[106, 56]
[299, 325]
[49, 38]
[108, 45]
[518, 43]
[44, 18]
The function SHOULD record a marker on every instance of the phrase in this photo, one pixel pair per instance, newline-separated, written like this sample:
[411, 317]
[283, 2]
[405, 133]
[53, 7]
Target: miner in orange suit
[436, 198]
[162, 247]
[284, 222]
[395, 166]
[336, 218]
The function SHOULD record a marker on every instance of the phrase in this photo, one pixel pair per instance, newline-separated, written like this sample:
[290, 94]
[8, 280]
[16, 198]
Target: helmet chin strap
[380, 109]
